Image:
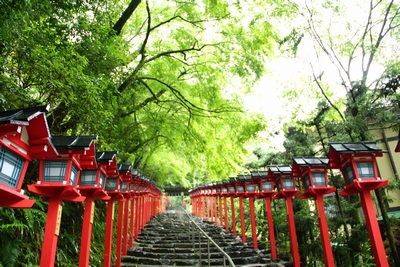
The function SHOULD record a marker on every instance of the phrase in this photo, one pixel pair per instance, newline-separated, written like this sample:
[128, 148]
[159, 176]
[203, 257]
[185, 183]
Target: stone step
[190, 260]
[166, 241]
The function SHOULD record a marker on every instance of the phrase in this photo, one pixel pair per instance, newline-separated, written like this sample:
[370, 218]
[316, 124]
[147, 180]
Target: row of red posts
[357, 163]
[70, 169]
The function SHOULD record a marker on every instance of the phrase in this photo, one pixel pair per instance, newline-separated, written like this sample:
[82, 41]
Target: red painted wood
[253, 223]
[324, 233]
[126, 228]
[109, 234]
[51, 233]
[378, 248]
[242, 222]
[292, 233]
[271, 229]
[86, 233]
[233, 216]
[120, 228]
[226, 215]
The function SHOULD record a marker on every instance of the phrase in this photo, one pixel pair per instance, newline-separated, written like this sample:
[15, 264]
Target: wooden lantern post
[357, 162]
[241, 193]
[91, 185]
[225, 194]
[207, 194]
[267, 191]
[251, 189]
[286, 186]
[24, 135]
[193, 194]
[232, 194]
[201, 201]
[219, 196]
[113, 185]
[124, 171]
[134, 194]
[314, 176]
[215, 196]
[58, 179]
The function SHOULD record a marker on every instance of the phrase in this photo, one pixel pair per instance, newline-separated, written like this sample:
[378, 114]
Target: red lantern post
[91, 185]
[287, 190]
[214, 199]
[241, 193]
[219, 195]
[232, 194]
[194, 198]
[124, 171]
[225, 194]
[134, 198]
[266, 187]
[112, 186]
[314, 176]
[24, 135]
[58, 179]
[357, 162]
[251, 189]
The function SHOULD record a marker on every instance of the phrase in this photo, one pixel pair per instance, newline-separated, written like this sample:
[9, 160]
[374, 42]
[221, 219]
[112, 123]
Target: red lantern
[314, 175]
[24, 135]
[267, 191]
[287, 189]
[357, 162]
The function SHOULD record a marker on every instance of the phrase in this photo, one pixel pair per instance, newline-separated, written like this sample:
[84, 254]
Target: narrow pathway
[167, 240]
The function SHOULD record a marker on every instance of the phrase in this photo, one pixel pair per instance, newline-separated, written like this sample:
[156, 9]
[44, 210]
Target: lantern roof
[74, 144]
[232, 180]
[259, 174]
[135, 173]
[109, 160]
[282, 169]
[341, 151]
[310, 161]
[358, 147]
[124, 169]
[302, 163]
[22, 116]
[244, 177]
[35, 122]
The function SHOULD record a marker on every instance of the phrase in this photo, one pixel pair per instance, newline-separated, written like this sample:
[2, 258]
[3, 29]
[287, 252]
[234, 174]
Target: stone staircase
[167, 241]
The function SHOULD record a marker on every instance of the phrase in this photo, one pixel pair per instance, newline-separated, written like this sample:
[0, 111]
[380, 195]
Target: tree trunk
[125, 16]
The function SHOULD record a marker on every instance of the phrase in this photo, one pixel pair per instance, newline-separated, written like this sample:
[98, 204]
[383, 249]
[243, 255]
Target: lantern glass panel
[74, 175]
[288, 183]
[10, 167]
[232, 189]
[306, 180]
[319, 179]
[111, 184]
[251, 187]
[124, 187]
[88, 177]
[349, 174]
[365, 170]
[102, 179]
[54, 171]
[224, 190]
[240, 188]
[267, 186]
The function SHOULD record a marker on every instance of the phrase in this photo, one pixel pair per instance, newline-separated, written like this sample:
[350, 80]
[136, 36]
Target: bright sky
[294, 73]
